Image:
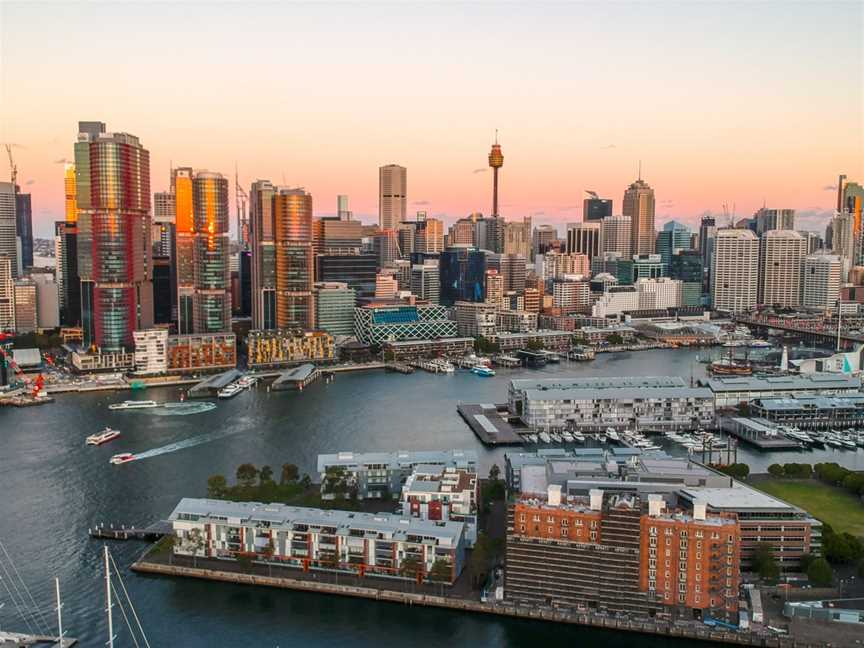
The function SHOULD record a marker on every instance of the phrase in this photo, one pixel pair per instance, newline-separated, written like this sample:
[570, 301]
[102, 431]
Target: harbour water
[54, 488]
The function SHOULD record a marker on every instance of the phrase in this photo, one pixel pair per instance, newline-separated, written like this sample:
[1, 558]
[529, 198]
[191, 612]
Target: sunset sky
[723, 102]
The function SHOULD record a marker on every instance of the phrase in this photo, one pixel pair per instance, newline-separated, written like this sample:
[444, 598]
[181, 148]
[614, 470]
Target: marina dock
[211, 386]
[758, 432]
[296, 378]
[486, 422]
[150, 533]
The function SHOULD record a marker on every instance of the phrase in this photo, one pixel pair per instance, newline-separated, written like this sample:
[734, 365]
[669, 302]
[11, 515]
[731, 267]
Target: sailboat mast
[59, 612]
[110, 642]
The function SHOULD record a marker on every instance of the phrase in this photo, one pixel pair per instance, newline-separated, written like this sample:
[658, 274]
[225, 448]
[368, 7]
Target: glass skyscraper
[462, 272]
[211, 311]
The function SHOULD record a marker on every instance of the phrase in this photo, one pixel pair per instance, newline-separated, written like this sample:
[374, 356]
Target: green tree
[776, 470]
[805, 562]
[441, 571]
[737, 470]
[217, 486]
[535, 345]
[615, 339]
[290, 474]
[494, 472]
[247, 474]
[195, 542]
[245, 562]
[764, 562]
[819, 572]
[266, 474]
[409, 567]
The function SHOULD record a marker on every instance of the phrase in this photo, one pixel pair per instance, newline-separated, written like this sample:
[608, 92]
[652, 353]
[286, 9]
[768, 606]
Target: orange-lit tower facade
[496, 161]
[211, 304]
[184, 222]
[295, 265]
[66, 253]
[112, 177]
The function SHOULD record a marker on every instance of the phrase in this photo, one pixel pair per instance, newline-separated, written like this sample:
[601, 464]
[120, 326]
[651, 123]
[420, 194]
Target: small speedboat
[104, 436]
[121, 458]
[134, 404]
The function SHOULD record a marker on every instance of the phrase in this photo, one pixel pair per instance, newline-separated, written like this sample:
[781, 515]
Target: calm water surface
[53, 488]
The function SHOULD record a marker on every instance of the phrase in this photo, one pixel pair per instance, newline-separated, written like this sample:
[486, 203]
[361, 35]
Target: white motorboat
[134, 404]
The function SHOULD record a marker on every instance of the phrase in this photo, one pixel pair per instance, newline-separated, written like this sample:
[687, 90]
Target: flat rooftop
[250, 513]
[851, 400]
[737, 498]
[807, 382]
[395, 460]
[581, 382]
[617, 393]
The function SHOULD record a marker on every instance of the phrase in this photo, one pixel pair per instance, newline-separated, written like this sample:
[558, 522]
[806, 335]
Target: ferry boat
[134, 404]
[121, 458]
[230, 391]
[482, 370]
[247, 381]
[104, 436]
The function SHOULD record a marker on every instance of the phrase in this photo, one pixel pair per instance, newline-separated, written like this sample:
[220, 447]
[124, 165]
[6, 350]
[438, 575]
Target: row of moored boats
[846, 439]
[230, 391]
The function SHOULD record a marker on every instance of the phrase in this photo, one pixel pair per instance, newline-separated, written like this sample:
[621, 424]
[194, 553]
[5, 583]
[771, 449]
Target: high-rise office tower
[674, 236]
[462, 272]
[615, 235]
[112, 173]
[342, 211]
[462, 232]
[164, 213]
[707, 232]
[66, 254]
[211, 302]
[392, 192]
[821, 281]
[496, 161]
[385, 244]
[513, 269]
[583, 238]
[8, 226]
[638, 206]
[429, 237]
[494, 287]
[517, 237]
[7, 294]
[295, 261]
[686, 267]
[774, 219]
[24, 224]
[781, 253]
[184, 247]
[843, 236]
[595, 208]
[405, 235]
[334, 308]
[734, 276]
[263, 255]
[543, 239]
[425, 280]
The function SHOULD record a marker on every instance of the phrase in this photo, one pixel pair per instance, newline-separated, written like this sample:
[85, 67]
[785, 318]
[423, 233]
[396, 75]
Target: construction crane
[34, 386]
[242, 222]
[12, 167]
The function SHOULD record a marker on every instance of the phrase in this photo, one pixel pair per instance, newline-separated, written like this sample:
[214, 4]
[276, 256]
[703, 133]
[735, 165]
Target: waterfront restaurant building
[307, 538]
[594, 404]
[734, 391]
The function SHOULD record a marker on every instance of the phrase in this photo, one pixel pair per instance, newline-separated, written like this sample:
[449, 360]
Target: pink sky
[723, 103]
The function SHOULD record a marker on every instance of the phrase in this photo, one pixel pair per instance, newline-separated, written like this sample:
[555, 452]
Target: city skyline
[569, 128]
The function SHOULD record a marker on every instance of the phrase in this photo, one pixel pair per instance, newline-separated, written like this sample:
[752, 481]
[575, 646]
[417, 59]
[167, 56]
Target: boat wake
[187, 443]
[183, 409]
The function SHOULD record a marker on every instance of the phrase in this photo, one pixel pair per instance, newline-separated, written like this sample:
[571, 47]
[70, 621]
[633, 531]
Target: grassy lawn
[826, 503]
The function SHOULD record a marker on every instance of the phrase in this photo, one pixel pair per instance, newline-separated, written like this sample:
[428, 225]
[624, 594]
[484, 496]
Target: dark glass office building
[357, 270]
[462, 271]
[24, 224]
[163, 290]
[596, 209]
[687, 267]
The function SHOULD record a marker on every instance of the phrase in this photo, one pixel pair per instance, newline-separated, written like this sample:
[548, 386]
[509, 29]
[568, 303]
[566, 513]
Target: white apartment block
[554, 265]
[735, 270]
[571, 294]
[436, 493]
[476, 318]
[780, 256]
[821, 281]
[151, 351]
[615, 235]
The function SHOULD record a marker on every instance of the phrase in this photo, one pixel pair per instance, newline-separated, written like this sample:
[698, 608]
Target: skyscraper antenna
[640, 169]
[496, 135]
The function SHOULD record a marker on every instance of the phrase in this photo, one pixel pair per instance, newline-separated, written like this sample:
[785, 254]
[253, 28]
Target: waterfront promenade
[328, 583]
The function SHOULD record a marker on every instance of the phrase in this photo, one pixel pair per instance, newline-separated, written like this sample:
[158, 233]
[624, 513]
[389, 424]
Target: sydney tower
[496, 161]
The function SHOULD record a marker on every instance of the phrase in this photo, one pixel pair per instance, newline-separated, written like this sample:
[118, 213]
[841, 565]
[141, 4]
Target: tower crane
[12, 167]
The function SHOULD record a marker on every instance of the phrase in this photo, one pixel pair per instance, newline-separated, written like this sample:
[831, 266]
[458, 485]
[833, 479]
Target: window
[652, 531]
[550, 530]
[522, 517]
[652, 563]
[536, 518]
[668, 541]
[566, 521]
[698, 588]
[563, 533]
[550, 519]
[522, 528]
[593, 535]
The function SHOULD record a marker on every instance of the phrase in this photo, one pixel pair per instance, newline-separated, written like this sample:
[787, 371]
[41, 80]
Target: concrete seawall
[466, 605]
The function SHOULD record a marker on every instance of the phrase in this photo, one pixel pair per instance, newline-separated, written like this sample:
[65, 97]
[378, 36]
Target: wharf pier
[507, 361]
[486, 421]
[153, 532]
[308, 583]
[211, 386]
[296, 378]
[398, 367]
[758, 432]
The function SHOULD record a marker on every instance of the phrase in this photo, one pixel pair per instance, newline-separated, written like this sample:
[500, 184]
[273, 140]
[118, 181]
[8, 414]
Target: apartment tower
[781, 253]
[112, 172]
[734, 274]
[211, 304]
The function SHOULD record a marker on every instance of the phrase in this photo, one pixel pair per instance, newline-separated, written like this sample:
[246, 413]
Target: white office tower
[735, 270]
[780, 256]
[615, 235]
[821, 281]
